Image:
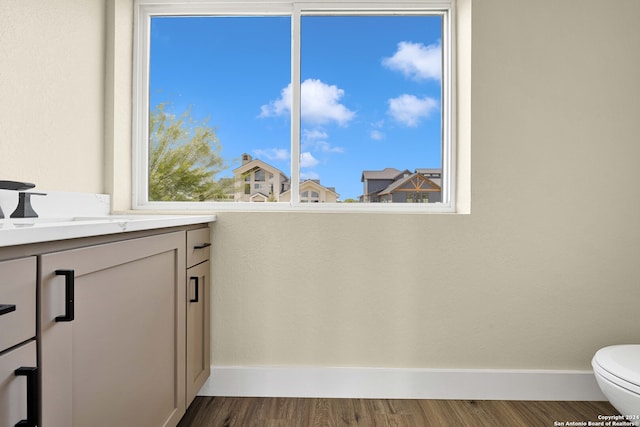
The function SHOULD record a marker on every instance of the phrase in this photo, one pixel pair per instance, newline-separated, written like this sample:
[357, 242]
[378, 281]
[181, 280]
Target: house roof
[387, 173]
[400, 178]
[259, 195]
[416, 179]
[429, 171]
[257, 163]
[314, 183]
[435, 175]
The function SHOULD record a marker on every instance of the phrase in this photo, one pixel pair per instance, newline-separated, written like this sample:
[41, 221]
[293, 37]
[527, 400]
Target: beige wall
[543, 271]
[52, 64]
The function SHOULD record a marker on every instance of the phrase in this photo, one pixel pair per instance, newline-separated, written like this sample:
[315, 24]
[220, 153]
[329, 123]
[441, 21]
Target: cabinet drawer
[17, 301]
[13, 388]
[198, 242]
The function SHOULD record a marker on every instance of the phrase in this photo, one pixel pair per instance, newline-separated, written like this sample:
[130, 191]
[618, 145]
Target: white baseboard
[397, 383]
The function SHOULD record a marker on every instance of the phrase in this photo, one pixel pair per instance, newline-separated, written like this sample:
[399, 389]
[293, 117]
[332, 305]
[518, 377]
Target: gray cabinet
[18, 299]
[18, 392]
[18, 365]
[122, 327]
[198, 312]
[112, 321]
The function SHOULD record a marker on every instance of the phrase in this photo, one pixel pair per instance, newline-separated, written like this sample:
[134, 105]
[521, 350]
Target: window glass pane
[371, 106]
[210, 79]
[220, 108]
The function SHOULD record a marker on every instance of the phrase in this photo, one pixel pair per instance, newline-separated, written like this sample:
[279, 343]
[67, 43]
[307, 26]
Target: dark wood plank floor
[285, 412]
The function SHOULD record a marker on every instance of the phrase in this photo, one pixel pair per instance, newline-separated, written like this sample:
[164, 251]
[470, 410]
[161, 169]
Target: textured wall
[542, 272]
[52, 93]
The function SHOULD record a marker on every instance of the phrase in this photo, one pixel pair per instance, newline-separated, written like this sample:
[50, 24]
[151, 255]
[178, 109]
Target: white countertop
[69, 215]
[35, 230]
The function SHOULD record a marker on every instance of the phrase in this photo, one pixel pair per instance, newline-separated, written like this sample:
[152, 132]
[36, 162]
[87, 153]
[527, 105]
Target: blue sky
[371, 90]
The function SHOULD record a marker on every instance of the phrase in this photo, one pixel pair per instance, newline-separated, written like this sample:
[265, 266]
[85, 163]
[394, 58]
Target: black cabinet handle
[7, 308]
[202, 246]
[33, 395]
[197, 282]
[69, 276]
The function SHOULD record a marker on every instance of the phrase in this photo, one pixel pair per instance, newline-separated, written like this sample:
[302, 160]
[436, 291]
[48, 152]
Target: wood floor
[284, 412]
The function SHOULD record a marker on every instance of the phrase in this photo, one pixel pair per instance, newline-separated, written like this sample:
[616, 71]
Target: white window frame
[145, 9]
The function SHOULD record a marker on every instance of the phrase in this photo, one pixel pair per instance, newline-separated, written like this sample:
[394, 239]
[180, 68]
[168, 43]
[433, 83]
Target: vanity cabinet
[18, 365]
[198, 312]
[113, 333]
[106, 330]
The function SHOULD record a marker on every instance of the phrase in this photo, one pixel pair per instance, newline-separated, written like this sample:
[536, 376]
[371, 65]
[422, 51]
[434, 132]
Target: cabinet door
[17, 301]
[198, 335]
[117, 362]
[13, 388]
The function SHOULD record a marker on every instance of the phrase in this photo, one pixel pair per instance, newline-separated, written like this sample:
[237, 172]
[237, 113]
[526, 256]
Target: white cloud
[307, 160]
[280, 106]
[320, 104]
[314, 134]
[417, 61]
[315, 139]
[376, 135]
[409, 109]
[325, 147]
[272, 154]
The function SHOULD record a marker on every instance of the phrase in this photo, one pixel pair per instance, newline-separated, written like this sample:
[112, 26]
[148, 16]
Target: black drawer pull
[68, 295]
[33, 395]
[202, 246]
[196, 299]
[7, 308]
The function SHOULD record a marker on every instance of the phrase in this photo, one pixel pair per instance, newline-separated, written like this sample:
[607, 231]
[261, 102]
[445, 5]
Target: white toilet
[617, 371]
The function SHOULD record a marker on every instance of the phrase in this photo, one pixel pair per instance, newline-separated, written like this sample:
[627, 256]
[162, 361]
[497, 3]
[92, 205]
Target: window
[309, 197]
[291, 92]
[418, 198]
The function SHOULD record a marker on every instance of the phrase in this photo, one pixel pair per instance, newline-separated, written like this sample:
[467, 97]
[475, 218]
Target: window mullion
[295, 105]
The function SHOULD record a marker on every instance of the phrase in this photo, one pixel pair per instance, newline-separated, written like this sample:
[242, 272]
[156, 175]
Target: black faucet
[25, 201]
[24, 209]
[15, 185]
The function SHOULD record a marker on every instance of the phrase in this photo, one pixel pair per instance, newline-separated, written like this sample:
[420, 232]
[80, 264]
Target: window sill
[368, 208]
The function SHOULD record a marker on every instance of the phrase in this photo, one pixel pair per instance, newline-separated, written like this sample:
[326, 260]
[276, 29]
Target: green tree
[184, 158]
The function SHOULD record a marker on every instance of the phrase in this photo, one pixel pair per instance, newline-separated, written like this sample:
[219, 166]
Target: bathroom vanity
[106, 326]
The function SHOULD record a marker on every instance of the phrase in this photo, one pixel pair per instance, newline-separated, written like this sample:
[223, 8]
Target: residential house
[257, 181]
[391, 185]
[311, 191]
